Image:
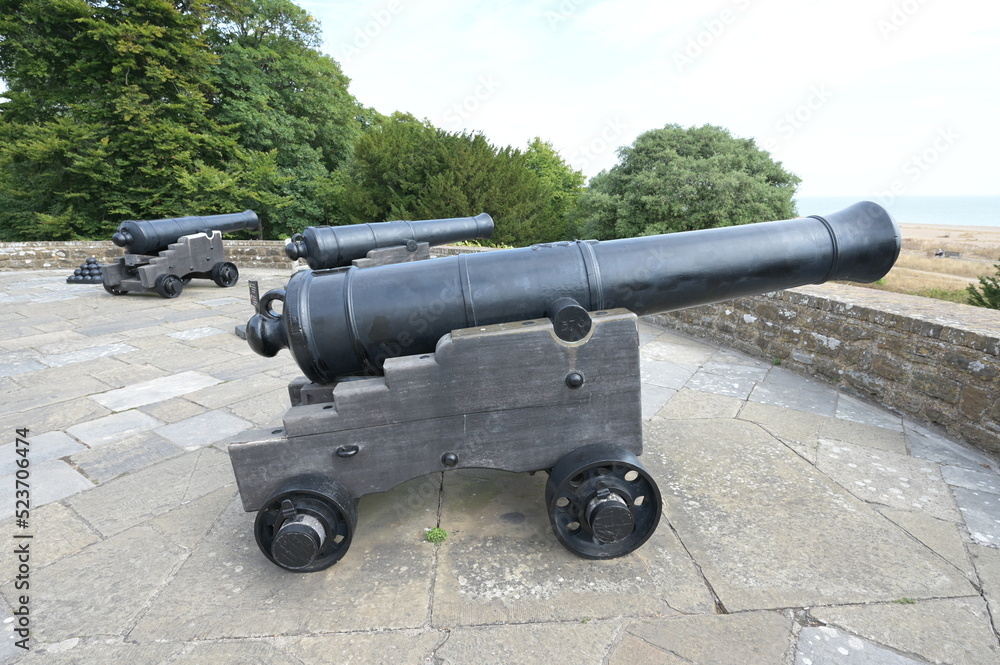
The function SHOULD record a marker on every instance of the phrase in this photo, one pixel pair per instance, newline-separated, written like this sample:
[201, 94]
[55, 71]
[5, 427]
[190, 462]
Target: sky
[871, 98]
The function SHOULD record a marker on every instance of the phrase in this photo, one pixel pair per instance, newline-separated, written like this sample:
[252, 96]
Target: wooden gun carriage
[521, 360]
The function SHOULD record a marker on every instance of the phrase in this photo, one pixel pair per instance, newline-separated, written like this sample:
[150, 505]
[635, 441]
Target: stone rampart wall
[248, 253]
[45, 255]
[933, 360]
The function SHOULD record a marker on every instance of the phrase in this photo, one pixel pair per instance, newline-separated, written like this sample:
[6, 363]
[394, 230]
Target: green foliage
[561, 188]
[107, 119]
[437, 535]
[404, 168]
[282, 96]
[150, 108]
[987, 294]
[677, 179]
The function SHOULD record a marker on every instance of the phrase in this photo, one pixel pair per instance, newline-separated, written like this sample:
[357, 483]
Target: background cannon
[519, 360]
[336, 246]
[185, 248]
[153, 236]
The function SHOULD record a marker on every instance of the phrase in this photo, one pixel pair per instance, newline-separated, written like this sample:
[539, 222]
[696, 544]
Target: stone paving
[801, 525]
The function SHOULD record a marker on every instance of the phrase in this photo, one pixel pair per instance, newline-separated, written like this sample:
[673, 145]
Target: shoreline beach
[973, 242]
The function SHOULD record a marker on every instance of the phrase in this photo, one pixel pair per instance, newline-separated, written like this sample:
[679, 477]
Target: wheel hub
[298, 542]
[609, 516]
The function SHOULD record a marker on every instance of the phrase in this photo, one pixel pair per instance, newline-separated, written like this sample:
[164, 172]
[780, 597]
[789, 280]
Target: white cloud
[896, 71]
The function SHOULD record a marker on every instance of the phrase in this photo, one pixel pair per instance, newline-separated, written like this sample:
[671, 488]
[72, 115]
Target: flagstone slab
[94, 595]
[770, 531]
[981, 512]
[116, 427]
[727, 379]
[888, 479]
[23, 366]
[663, 373]
[61, 531]
[933, 447]
[751, 638]
[679, 349]
[53, 481]
[530, 644]
[956, 631]
[83, 355]
[154, 390]
[797, 429]
[861, 434]
[189, 523]
[941, 536]
[654, 398]
[76, 651]
[382, 583]
[224, 394]
[980, 481]
[141, 496]
[394, 647]
[264, 409]
[196, 333]
[829, 646]
[987, 561]
[859, 411]
[113, 460]
[786, 389]
[502, 563]
[41, 447]
[62, 416]
[203, 430]
[696, 404]
[173, 410]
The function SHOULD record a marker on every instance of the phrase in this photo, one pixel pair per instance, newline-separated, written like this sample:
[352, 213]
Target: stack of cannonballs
[89, 272]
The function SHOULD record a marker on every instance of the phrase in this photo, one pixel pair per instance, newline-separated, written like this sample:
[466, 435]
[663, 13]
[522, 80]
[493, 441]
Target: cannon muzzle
[335, 246]
[151, 236]
[349, 320]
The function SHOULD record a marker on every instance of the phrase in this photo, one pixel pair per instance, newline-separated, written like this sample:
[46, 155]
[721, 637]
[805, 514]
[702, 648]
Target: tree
[106, 119]
[404, 168]
[677, 179]
[282, 95]
[150, 108]
[562, 187]
[988, 292]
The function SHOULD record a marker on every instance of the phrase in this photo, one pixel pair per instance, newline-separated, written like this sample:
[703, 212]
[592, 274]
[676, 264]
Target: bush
[988, 292]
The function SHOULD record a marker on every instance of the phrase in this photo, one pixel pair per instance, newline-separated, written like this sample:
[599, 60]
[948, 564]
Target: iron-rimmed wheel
[169, 286]
[307, 525]
[602, 503]
[113, 290]
[225, 274]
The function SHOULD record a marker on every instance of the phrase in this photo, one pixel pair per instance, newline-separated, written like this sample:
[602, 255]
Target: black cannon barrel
[349, 320]
[335, 246]
[139, 236]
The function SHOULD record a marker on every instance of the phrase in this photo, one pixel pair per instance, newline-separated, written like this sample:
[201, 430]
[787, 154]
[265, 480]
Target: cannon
[520, 360]
[163, 255]
[382, 242]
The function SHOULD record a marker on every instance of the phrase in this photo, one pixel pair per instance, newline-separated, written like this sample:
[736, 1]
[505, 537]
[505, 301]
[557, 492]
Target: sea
[938, 210]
